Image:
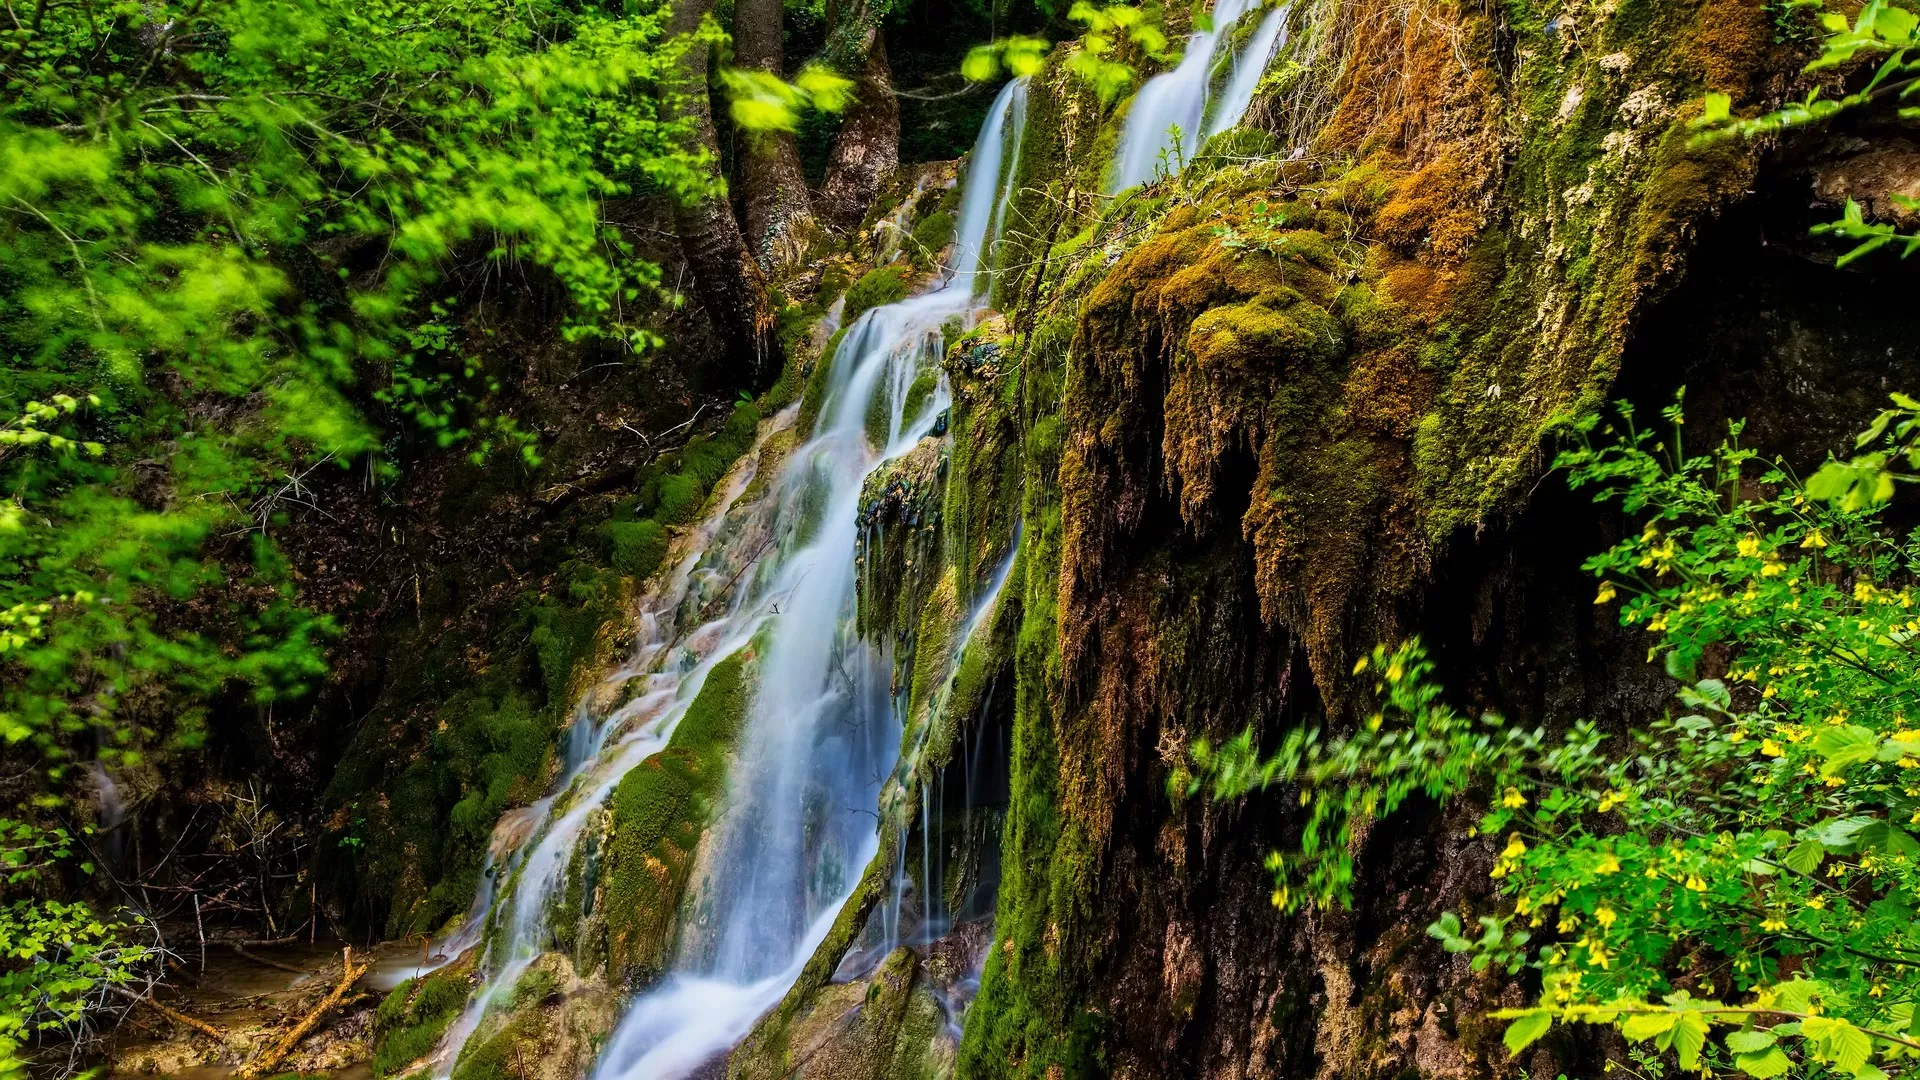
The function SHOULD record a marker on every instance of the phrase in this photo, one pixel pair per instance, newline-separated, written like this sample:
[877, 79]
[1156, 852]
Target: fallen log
[174, 1015]
[266, 1062]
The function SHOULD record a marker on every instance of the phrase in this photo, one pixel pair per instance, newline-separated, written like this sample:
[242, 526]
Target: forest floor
[253, 996]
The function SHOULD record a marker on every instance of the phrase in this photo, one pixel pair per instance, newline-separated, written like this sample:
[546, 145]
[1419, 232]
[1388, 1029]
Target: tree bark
[774, 188]
[726, 278]
[868, 148]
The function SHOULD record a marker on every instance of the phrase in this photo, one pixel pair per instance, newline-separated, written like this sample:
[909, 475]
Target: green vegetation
[412, 1017]
[660, 809]
[1737, 887]
[880, 285]
[1879, 31]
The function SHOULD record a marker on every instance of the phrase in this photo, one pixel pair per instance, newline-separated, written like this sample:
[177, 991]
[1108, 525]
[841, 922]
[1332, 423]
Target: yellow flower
[1569, 922]
[1604, 915]
[1612, 799]
[1658, 623]
[1770, 748]
[1610, 865]
[1772, 568]
[1513, 799]
[1834, 781]
[1606, 593]
[1773, 923]
[1816, 902]
[1516, 847]
[1360, 665]
[1749, 546]
[1862, 591]
[1696, 883]
[1814, 540]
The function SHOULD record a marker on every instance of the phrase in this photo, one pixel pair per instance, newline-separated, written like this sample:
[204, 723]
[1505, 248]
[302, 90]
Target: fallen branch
[174, 1015]
[236, 947]
[266, 1062]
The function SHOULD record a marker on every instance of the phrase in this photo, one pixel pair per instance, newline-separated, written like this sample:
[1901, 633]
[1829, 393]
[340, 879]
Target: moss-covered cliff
[1251, 419]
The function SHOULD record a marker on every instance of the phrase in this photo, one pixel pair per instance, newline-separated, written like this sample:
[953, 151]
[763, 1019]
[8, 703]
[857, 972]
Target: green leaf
[1526, 1029]
[982, 62]
[1805, 857]
[1643, 1026]
[1764, 1065]
[1750, 1042]
[1844, 747]
[1689, 1036]
[1849, 1047]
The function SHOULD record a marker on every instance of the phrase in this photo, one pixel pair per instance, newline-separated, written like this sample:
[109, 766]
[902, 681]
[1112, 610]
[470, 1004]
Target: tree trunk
[868, 148]
[726, 278]
[774, 187]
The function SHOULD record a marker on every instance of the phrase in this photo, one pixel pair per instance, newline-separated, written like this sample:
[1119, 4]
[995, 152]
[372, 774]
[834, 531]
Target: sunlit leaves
[1019, 55]
[759, 101]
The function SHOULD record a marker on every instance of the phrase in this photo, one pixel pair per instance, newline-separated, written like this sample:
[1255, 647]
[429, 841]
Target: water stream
[1164, 123]
[822, 738]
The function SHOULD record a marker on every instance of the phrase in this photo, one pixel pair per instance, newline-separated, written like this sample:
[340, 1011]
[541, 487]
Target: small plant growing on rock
[1736, 886]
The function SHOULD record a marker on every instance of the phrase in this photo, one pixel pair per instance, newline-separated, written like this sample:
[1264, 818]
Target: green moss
[918, 392]
[410, 1020]
[881, 285]
[503, 1055]
[931, 236]
[660, 809]
[638, 546]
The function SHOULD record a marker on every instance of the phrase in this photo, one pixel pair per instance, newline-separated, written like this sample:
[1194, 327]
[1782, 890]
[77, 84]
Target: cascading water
[822, 737]
[1248, 66]
[1177, 100]
[823, 731]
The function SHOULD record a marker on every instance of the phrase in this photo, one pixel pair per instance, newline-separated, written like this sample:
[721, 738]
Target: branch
[174, 1015]
[265, 1062]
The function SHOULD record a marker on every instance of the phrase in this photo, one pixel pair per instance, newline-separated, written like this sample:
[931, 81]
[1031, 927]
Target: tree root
[266, 1062]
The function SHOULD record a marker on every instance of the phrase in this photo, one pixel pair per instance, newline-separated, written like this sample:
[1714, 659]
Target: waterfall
[1179, 98]
[1248, 67]
[984, 201]
[822, 738]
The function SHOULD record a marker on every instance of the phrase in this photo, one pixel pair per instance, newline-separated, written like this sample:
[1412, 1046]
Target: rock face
[1253, 419]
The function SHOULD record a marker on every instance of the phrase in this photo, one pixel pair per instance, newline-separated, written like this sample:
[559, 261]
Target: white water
[538, 845]
[1178, 99]
[822, 740]
[1248, 66]
[983, 203]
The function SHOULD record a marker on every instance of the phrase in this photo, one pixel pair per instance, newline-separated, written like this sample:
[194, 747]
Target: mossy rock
[410, 1020]
[660, 808]
[878, 286]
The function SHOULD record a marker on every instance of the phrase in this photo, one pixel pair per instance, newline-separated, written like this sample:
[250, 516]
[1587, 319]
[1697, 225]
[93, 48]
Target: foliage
[761, 101]
[241, 242]
[1747, 865]
[1879, 29]
[1111, 29]
[1018, 54]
